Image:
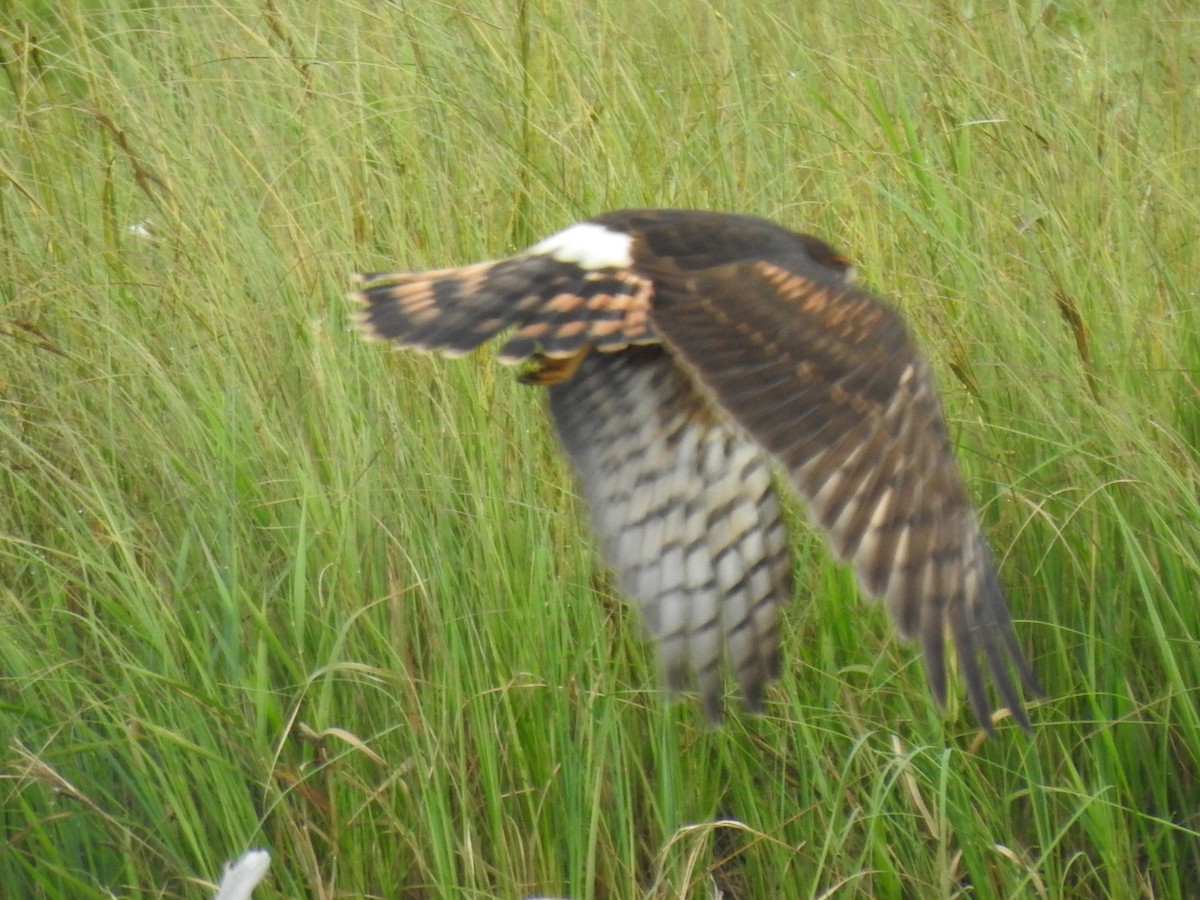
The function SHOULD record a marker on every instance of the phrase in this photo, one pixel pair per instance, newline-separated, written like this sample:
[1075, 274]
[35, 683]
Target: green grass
[264, 585]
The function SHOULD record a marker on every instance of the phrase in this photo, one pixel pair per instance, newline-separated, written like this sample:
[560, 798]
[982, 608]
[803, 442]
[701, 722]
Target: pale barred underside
[683, 504]
[761, 349]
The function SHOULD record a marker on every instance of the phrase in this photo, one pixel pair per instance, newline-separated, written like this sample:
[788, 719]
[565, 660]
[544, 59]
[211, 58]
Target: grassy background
[263, 585]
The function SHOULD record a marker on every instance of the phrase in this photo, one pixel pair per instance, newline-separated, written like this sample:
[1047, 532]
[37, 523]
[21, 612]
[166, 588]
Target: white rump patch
[589, 246]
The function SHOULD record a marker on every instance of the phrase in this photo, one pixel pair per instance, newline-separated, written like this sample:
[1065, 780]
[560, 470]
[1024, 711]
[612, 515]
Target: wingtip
[360, 321]
[987, 726]
[1019, 715]
[372, 277]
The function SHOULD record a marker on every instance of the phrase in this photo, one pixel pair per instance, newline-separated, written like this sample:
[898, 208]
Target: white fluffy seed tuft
[241, 877]
[589, 246]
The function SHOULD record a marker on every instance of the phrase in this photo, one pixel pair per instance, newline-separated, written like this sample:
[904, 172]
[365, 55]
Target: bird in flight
[687, 354]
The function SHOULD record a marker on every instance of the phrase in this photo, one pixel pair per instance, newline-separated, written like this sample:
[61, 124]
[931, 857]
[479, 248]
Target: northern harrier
[687, 352]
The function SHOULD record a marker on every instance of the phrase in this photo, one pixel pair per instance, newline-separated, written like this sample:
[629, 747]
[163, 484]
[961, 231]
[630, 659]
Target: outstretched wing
[827, 380]
[558, 305]
[683, 504]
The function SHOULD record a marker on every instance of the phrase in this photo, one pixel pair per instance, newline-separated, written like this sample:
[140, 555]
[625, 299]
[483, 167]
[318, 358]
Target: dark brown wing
[684, 506]
[827, 380]
[558, 308]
